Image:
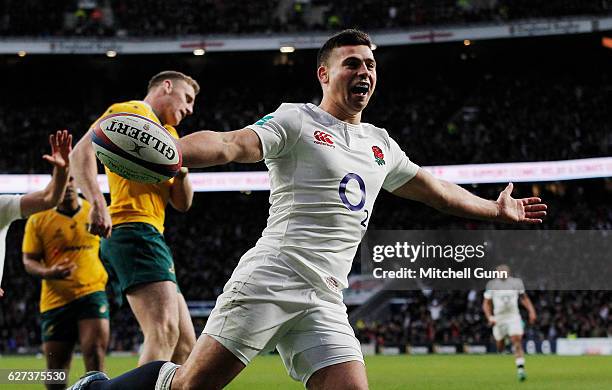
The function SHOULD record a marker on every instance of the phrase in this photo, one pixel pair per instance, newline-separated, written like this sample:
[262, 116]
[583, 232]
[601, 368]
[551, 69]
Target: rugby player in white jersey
[326, 169]
[503, 295]
[13, 207]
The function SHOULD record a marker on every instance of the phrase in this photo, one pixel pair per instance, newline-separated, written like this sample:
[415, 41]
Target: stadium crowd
[125, 18]
[469, 120]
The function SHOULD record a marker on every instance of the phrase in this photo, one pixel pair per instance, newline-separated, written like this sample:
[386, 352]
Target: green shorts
[135, 253]
[61, 323]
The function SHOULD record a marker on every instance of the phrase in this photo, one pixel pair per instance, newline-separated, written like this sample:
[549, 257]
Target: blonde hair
[172, 75]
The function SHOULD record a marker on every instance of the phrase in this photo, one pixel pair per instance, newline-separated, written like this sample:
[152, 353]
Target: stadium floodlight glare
[199, 52]
[467, 42]
[287, 49]
[111, 54]
[21, 53]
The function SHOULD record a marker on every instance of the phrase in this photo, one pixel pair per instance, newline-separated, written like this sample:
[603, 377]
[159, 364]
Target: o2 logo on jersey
[322, 138]
[357, 206]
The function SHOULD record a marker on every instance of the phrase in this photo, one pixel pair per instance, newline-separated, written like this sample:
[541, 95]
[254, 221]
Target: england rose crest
[378, 155]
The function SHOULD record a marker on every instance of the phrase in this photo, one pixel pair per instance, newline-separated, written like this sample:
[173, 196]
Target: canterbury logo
[322, 138]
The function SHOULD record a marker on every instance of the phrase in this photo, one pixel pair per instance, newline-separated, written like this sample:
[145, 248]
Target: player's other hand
[61, 146]
[1, 293]
[61, 270]
[491, 321]
[525, 210]
[100, 222]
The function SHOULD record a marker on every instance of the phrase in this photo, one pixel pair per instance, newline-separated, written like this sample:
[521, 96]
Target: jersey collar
[333, 120]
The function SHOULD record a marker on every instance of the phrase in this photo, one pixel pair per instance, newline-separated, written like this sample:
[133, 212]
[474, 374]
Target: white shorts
[266, 305]
[508, 327]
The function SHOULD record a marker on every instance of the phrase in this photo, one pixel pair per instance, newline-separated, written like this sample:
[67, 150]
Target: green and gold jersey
[55, 237]
[132, 201]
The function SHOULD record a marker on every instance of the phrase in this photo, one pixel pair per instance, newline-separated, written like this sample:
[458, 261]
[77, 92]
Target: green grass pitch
[432, 372]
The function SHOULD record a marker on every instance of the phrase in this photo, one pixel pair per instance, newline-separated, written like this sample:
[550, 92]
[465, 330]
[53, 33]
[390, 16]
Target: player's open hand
[525, 210]
[61, 146]
[61, 270]
[100, 222]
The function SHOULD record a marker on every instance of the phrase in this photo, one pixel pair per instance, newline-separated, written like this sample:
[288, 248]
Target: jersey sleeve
[401, 169]
[520, 286]
[10, 209]
[279, 131]
[31, 240]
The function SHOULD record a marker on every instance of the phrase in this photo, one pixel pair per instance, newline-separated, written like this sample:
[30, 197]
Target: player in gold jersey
[136, 256]
[58, 248]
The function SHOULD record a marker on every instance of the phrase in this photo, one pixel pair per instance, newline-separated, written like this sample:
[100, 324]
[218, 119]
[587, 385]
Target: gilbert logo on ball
[136, 148]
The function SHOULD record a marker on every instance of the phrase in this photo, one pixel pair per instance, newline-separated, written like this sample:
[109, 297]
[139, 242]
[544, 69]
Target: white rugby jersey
[10, 210]
[505, 294]
[325, 175]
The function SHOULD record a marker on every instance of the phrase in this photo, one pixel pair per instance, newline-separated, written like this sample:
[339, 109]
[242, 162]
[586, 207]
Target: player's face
[177, 103]
[351, 77]
[71, 191]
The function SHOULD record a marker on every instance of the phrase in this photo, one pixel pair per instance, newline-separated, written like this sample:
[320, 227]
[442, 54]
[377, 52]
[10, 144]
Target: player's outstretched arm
[85, 173]
[61, 145]
[452, 199]
[526, 302]
[207, 148]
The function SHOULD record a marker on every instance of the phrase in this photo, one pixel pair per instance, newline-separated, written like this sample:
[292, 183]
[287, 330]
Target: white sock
[166, 373]
[520, 362]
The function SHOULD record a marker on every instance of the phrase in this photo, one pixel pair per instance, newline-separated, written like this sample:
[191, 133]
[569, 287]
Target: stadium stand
[125, 18]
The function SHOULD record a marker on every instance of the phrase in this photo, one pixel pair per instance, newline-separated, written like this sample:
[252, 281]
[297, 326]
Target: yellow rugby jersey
[132, 201]
[57, 236]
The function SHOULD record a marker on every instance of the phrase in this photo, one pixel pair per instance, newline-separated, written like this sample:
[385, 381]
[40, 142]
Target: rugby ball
[136, 148]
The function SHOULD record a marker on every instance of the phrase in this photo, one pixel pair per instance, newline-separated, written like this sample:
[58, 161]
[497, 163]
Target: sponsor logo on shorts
[322, 138]
[171, 269]
[49, 330]
[332, 283]
[103, 309]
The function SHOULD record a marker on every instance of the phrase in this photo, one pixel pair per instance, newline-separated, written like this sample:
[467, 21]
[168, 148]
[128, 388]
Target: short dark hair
[350, 37]
[173, 75]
